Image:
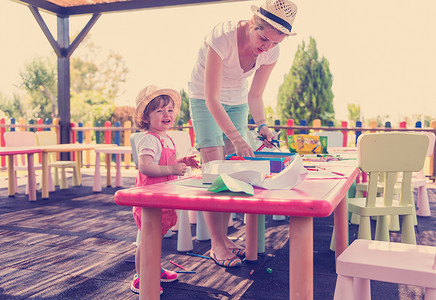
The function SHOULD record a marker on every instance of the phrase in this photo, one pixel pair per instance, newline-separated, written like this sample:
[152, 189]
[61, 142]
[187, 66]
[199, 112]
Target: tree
[17, 107]
[184, 114]
[39, 81]
[95, 83]
[306, 92]
[353, 112]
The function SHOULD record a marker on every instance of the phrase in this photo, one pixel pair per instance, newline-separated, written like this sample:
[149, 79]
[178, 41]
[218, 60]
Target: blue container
[278, 160]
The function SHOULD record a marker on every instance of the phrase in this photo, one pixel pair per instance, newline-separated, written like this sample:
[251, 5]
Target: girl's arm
[255, 99]
[147, 167]
[212, 77]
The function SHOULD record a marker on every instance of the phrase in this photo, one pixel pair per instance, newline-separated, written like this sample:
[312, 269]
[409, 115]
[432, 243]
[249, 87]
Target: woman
[220, 96]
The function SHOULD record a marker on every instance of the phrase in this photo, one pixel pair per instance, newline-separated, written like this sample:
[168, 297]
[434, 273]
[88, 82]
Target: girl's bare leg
[137, 259]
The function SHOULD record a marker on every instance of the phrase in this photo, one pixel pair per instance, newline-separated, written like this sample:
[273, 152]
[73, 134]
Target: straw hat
[149, 93]
[279, 13]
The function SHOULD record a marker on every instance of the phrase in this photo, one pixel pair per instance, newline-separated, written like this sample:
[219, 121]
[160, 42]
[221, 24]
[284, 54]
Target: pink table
[311, 198]
[10, 152]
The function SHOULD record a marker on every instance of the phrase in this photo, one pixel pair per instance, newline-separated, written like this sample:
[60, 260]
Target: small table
[78, 148]
[10, 152]
[311, 198]
[118, 150]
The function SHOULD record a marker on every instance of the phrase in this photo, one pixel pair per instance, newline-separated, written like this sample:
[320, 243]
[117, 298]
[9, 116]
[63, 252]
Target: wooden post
[2, 141]
[88, 139]
[127, 133]
[344, 133]
[316, 123]
[432, 160]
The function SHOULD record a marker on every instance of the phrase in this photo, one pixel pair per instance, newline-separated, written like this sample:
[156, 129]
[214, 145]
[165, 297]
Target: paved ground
[79, 245]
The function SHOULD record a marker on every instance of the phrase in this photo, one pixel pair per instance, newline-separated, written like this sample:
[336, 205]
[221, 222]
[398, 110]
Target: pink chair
[20, 139]
[366, 260]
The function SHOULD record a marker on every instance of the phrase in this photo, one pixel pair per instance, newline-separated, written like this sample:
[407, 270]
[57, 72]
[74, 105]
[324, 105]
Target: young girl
[156, 110]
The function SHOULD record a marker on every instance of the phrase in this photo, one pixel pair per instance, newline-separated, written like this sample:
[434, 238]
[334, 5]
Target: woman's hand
[243, 149]
[190, 161]
[267, 134]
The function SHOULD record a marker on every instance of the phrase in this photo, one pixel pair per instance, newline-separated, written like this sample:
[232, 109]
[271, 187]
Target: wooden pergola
[63, 9]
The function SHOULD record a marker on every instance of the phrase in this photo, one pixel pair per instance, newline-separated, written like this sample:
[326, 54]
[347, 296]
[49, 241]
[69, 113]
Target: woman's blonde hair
[261, 24]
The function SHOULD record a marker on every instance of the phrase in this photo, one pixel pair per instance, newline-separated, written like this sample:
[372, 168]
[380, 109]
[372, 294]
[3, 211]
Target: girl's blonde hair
[157, 102]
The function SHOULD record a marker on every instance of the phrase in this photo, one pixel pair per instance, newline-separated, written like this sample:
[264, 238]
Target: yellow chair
[49, 138]
[388, 153]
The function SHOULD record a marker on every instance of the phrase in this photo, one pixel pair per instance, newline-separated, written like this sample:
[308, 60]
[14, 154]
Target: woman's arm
[212, 77]
[255, 99]
[147, 167]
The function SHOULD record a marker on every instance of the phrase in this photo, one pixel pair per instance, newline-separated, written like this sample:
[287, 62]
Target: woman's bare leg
[216, 220]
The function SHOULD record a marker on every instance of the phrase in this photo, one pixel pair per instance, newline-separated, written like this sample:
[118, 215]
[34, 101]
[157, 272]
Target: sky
[382, 53]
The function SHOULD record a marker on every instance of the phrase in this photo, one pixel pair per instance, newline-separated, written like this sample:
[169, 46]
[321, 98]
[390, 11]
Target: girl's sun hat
[149, 93]
[279, 13]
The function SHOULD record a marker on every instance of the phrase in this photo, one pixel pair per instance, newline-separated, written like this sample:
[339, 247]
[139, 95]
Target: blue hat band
[276, 19]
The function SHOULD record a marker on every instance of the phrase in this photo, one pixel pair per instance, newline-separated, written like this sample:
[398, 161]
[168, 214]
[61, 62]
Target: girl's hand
[243, 149]
[190, 161]
[267, 134]
[178, 169]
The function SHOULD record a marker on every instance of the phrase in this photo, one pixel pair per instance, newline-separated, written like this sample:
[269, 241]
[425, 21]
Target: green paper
[226, 183]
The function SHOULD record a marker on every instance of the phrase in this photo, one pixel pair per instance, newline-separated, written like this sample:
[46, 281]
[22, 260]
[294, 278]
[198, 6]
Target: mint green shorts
[207, 131]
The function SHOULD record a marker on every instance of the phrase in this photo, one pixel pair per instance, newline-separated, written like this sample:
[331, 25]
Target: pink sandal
[134, 286]
[167, 275]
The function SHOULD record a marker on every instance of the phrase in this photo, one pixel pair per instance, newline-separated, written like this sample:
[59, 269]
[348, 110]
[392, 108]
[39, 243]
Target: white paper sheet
[285, 180]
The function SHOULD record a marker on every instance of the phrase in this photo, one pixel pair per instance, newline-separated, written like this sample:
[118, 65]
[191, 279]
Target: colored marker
[198, 255]
[178, 265]
[186, 272]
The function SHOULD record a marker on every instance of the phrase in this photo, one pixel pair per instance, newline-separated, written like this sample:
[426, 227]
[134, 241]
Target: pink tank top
[167, 158]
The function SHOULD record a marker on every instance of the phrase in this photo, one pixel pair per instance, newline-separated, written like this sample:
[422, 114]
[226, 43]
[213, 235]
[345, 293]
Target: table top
[312, 197]
[72, 147]
[19, 150]
[115, 150]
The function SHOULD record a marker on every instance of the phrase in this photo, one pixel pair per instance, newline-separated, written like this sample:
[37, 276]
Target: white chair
[400, 263]
[49, 138]
[20, 139]
[388, 153]
[418, 181]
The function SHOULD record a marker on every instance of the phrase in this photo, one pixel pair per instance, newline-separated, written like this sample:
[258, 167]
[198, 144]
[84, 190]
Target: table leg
[151, 242]
[251, 237]
[44, 175]
[11, 176]
[300, 258]
[108, 171]
[341, 227]
[31, 177]
[97, 181]
[118, 172]
[79, 165]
